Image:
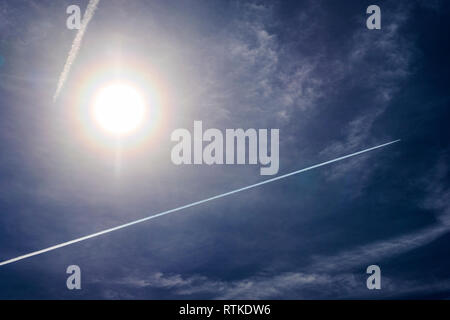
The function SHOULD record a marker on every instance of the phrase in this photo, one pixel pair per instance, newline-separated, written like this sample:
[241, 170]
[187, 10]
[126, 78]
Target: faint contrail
[88, 14]
[35, 253]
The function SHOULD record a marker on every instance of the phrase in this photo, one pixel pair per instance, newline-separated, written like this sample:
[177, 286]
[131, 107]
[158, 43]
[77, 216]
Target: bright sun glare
[119, 109]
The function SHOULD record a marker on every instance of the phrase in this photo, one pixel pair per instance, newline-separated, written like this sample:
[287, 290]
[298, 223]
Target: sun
[119, 109]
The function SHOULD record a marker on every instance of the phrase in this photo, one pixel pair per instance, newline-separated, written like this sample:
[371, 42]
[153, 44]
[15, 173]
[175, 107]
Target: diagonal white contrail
[88, 14]
[35, 253]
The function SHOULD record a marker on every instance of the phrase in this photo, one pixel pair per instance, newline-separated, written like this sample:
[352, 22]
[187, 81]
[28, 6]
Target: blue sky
[311, 69]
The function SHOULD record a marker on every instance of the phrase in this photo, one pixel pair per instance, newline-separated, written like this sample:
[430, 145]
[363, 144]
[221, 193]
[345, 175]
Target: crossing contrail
[88, 14]
[64, 244]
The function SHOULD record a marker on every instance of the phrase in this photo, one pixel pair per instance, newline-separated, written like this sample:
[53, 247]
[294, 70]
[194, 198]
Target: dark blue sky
[311, 69]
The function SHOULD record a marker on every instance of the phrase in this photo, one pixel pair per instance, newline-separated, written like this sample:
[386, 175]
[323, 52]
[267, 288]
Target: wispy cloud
[326, 276]
[366, 51]
[329, 277]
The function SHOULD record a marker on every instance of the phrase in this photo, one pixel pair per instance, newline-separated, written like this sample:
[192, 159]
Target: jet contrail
[35, 253]
[88, 14]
